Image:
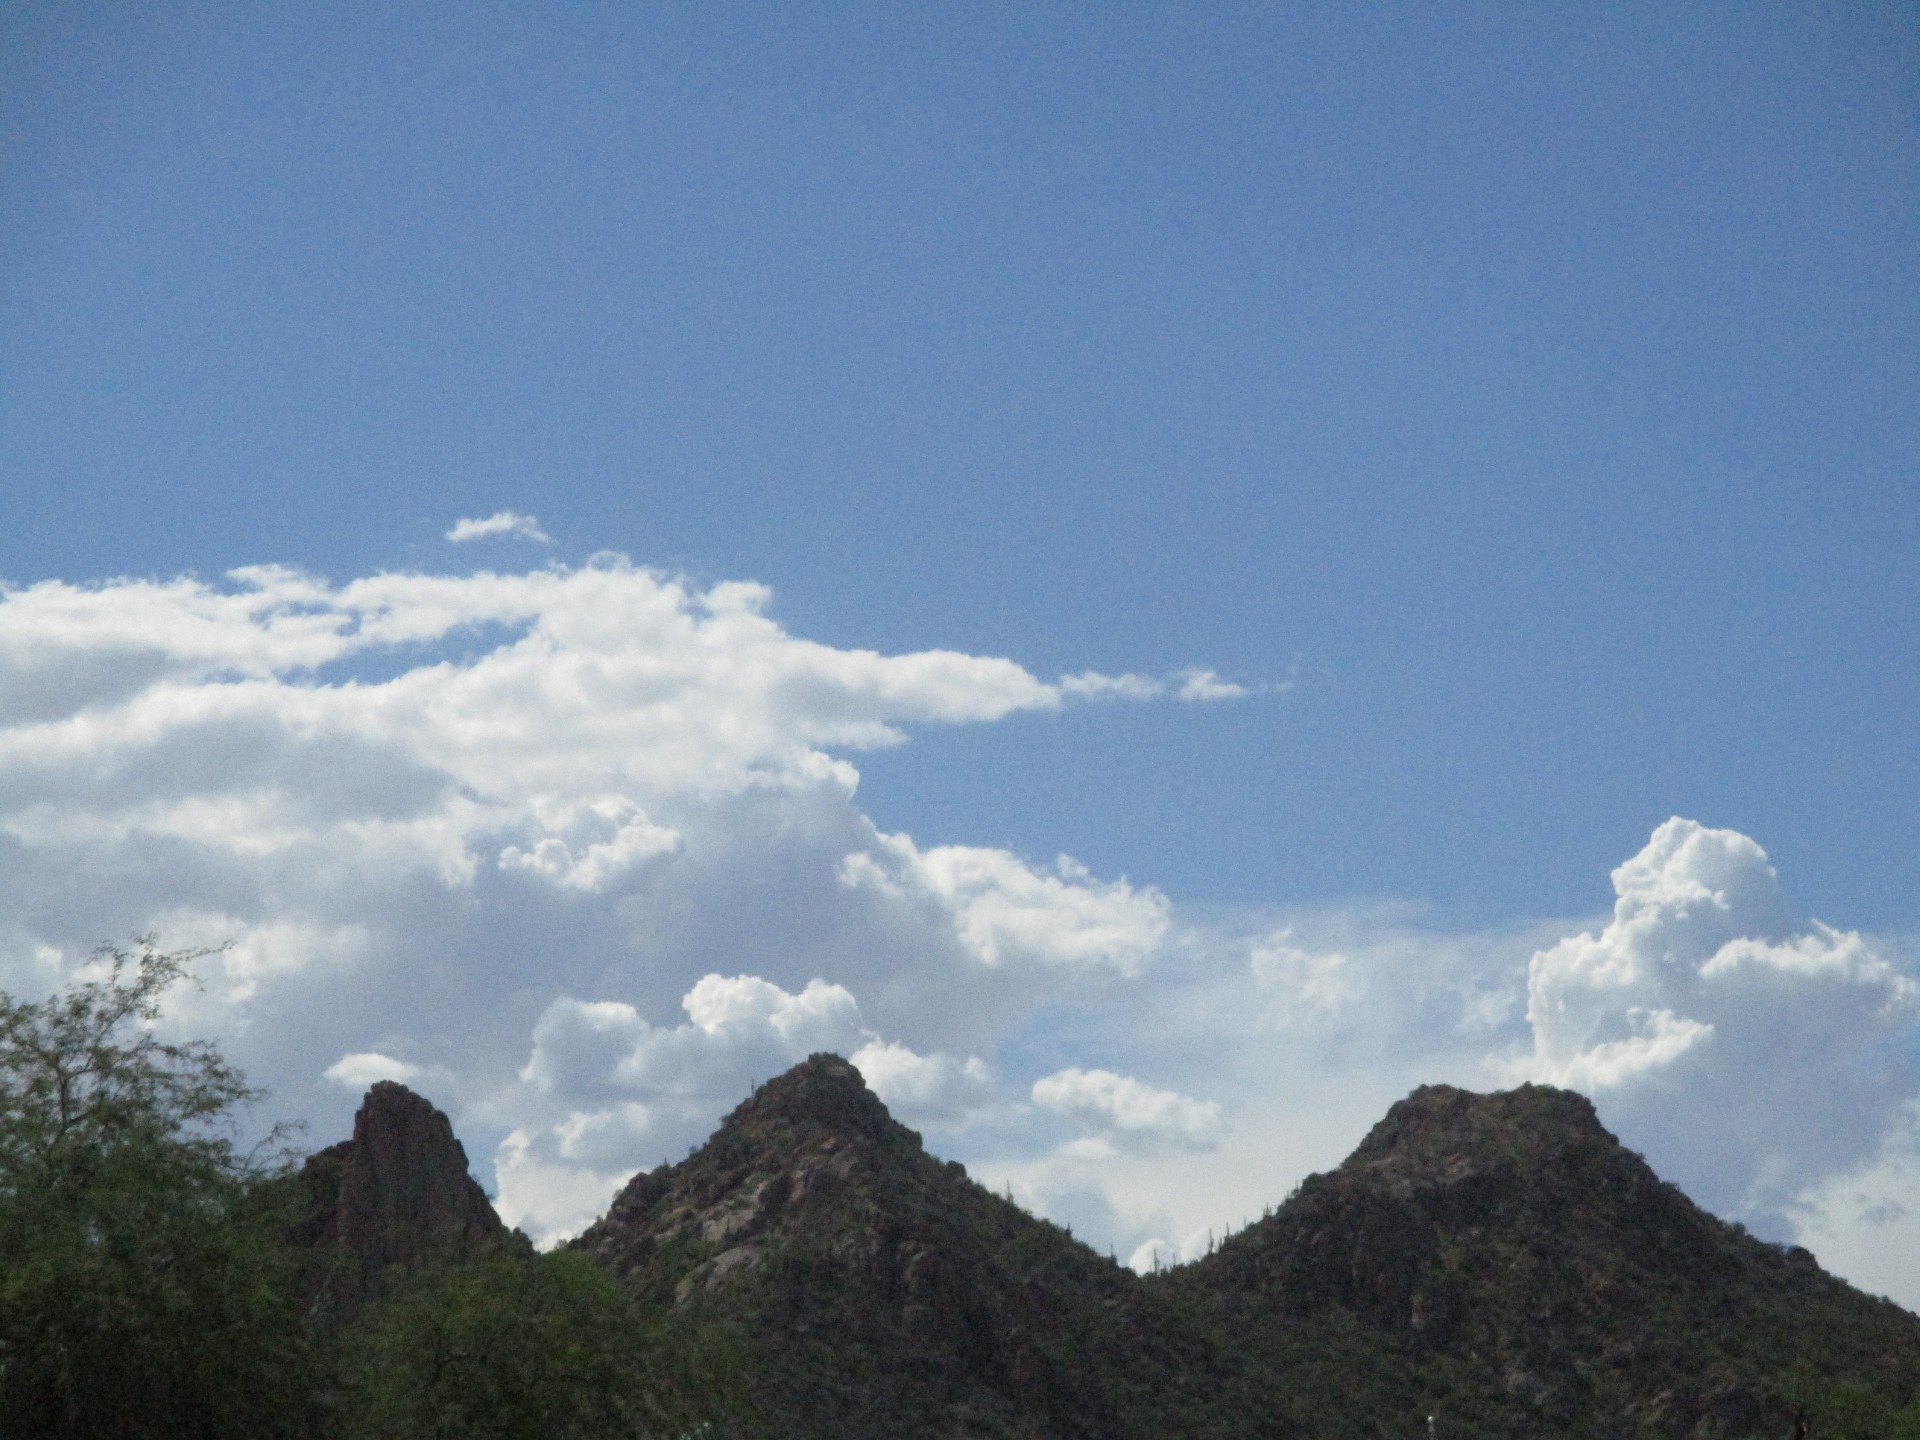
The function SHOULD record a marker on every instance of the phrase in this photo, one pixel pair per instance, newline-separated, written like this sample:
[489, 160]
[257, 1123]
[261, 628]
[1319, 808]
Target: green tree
[144, 1288]
[515, 1346]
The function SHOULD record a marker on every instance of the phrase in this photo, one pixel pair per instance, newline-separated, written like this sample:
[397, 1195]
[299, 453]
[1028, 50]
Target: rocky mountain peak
[397, 1193]
[823, 1093]
[1440, 1125]
[813, 1149]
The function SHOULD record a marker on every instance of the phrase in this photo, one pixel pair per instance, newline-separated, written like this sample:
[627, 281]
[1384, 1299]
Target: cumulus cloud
[1749, 1049]
[920, 1089]
[604, 1091]
[578, 851]
[480, 820]
[592, 843]
[1119, 1111]
[1008, 912]
[502, 523]
[609, 693]
[357, 1072]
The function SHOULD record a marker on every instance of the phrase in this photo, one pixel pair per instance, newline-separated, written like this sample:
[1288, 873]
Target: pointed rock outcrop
[397, 1194]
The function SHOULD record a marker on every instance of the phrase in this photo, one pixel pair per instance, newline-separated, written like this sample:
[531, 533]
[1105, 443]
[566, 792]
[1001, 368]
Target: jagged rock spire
[396, 1194]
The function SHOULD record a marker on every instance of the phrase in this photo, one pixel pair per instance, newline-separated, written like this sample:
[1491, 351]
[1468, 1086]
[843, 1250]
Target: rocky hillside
[1501, 1262]
[885, 1294]
[1498, 1262]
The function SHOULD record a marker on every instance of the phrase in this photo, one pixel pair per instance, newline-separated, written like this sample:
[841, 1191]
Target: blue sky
[1518, 402]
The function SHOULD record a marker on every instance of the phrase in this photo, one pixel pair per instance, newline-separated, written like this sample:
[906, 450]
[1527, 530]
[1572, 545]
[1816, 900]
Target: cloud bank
[495, 829]
[579, 852]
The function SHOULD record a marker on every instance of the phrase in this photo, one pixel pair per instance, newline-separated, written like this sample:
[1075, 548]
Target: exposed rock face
[397, 1193]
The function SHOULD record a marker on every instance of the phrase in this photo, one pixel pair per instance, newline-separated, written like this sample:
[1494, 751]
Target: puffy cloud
[1750, 1050]
[502, 523]
[357, 1072]
[592, 843]
[1117, 1110]
[604, 1092]
[1005, 911]
[429, 811]
[488, 831]
[925, 1088]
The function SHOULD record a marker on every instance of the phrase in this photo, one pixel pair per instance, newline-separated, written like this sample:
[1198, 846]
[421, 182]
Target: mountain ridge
[1498, 1262]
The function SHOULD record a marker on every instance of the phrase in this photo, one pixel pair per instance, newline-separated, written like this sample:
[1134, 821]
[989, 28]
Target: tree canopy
[146, 1291]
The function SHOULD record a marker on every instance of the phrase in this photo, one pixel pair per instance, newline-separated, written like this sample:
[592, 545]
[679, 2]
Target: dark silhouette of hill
[1499, 1262]
[397, 1194]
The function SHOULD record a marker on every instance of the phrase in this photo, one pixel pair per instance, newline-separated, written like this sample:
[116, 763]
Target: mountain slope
[1497, 1262]
[886, 1294]
[1503, 1263]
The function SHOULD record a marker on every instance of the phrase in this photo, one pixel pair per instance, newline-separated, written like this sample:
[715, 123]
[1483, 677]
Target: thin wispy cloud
[501, 525]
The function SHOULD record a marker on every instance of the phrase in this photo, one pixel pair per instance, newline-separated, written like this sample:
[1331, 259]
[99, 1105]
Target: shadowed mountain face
[886, 1294]
[1499, 1262]
[1512, 1269]
[397, 1194]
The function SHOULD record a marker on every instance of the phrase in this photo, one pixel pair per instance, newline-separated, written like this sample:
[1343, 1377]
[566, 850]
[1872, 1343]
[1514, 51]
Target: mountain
[885, 1294]
[1502, 1263]
[396, 1194]
[1497, 1262]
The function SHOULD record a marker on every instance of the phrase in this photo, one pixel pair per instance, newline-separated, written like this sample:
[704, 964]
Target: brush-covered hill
[882, 1293]
[1503, 1263]
[1499, 1262]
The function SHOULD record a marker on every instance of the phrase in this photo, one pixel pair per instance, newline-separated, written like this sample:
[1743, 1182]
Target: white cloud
[1865, 1223]
[923, 1088]
[505, 825]
[604, 1092]
[1091, 685]
[1305, 985]
[1746, 1048]
[1006, 911]
[1120, 1111]
[357, 1072]
[592, 843]
[1205, 685]
[1191, 685]
[500, 523]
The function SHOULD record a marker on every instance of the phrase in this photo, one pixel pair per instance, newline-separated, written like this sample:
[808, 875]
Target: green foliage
[145, 1290]
[1842, 1408]
[516, 1346]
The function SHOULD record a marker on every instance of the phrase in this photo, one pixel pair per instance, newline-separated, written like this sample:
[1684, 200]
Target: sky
[1157, 575]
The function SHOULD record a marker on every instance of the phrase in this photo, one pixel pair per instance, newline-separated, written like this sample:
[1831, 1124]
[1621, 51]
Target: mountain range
[1491, 1265]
